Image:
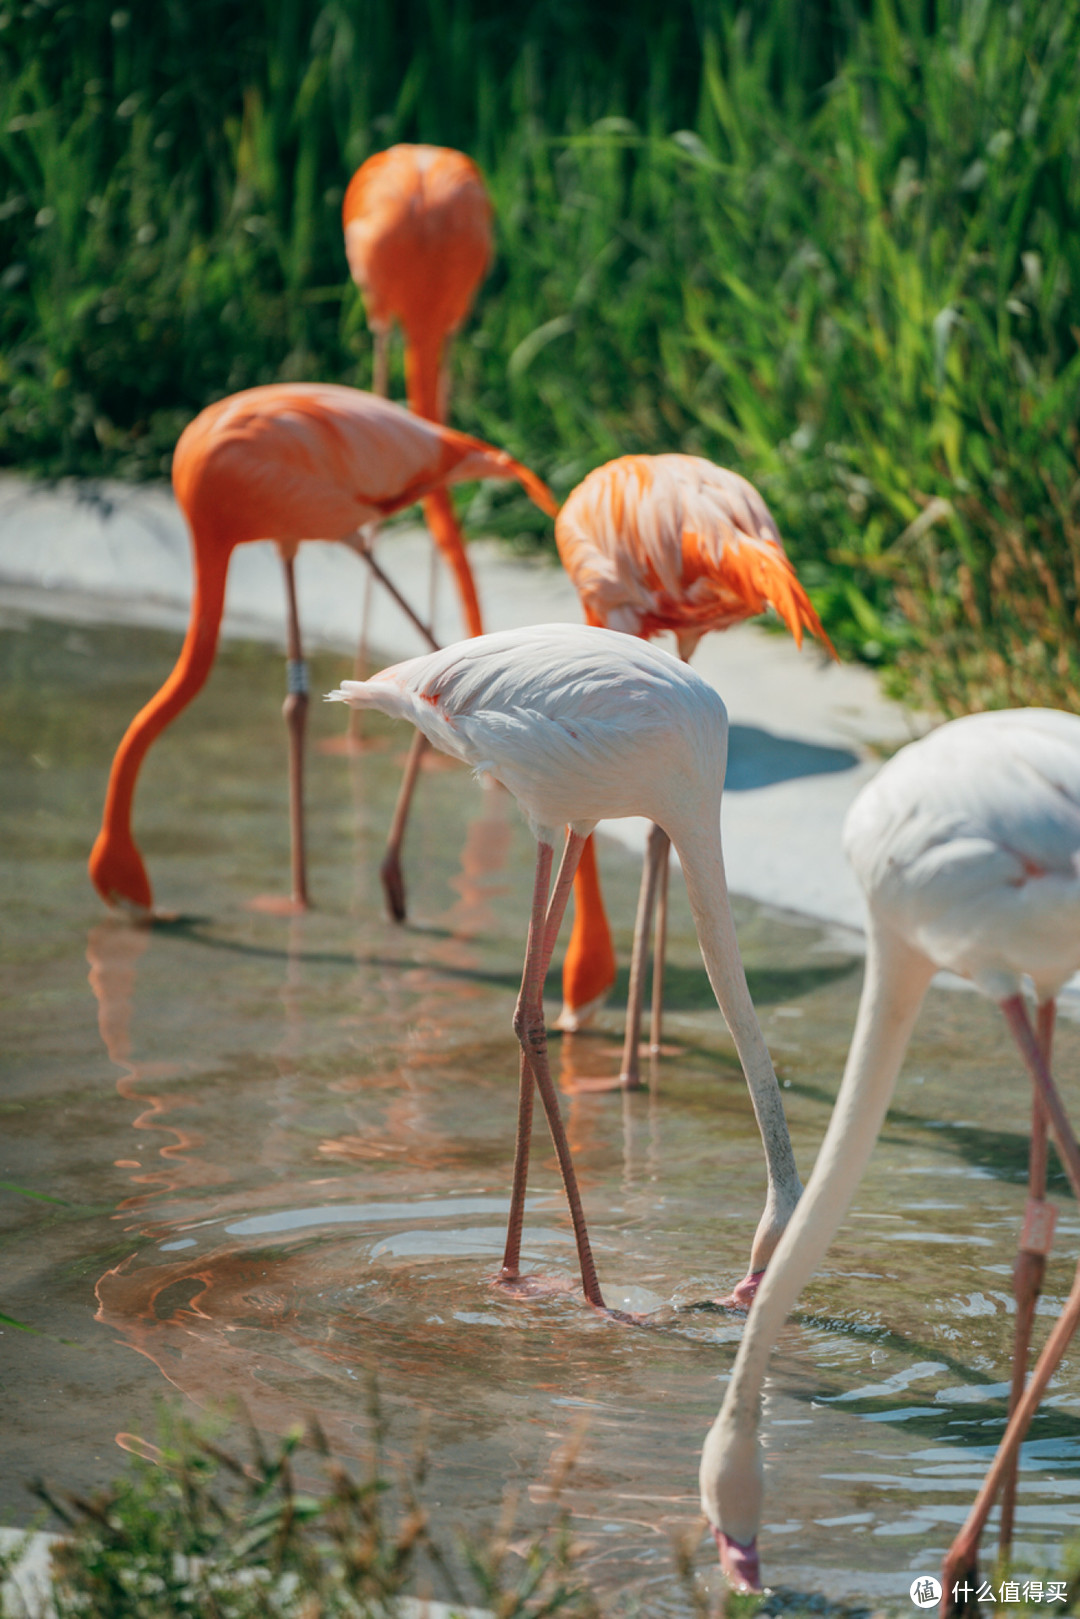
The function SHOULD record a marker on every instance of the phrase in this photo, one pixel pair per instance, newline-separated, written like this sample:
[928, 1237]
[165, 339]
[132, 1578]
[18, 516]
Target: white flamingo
[583, 725]
[968, 846]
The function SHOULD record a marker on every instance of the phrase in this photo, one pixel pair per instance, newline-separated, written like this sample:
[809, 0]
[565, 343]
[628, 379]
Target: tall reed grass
[834, 245]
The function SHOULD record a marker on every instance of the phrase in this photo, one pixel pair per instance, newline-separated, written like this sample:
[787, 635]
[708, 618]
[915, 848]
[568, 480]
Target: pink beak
[742, 1295]
[739, 1563]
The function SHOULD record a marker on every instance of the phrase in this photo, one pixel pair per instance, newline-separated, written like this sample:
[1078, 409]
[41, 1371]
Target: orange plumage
[418, 240]
[288, 462]
[672, 542]
[666, 542]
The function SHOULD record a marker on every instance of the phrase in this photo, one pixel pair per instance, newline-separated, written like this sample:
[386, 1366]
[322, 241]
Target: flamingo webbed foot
[959, 1584]
[143, 916]
[351, 745]
[532, 1287]
[589, 1084]
[572, 1019]
[540, 1287]
[743, 1294]
[740, 1564]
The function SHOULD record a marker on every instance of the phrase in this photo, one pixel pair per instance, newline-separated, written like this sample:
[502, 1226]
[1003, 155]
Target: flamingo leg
[1030, 1266]
[364, 548]
[510, 1269]
[433, 584]
[687, 643]
[392, 880]
[659, 955]
[961, 1557]
[512, 1254]
[656, 850]
[295, 714]
[529, 1027]
[390, 871]
[356, 715]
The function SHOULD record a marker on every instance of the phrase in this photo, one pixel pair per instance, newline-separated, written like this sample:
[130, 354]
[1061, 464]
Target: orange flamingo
[418, 240]
[288, 462]
[662, 542]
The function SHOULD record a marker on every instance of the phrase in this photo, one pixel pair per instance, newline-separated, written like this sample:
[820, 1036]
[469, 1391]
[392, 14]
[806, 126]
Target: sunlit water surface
[257, 1158]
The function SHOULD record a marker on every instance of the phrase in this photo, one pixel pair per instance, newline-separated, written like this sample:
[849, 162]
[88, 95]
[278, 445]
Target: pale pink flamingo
[653, 543]
[290, 462]
[580, 725]
[967, 844]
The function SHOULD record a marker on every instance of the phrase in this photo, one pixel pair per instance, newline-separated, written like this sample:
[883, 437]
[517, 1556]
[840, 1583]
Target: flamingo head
[739, 1563]
[119, 875]
[572, 1018]
[732, 1489]
[743, 1293]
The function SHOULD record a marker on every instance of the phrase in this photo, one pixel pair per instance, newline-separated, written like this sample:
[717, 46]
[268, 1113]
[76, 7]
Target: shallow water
[254, 1157]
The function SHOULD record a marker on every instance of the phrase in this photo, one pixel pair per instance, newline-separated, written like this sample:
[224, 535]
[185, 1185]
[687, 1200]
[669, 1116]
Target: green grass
[201, 1526]
[836, 246]
[198, 1528]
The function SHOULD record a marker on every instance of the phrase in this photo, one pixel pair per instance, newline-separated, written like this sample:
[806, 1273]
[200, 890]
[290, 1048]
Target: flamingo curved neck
[443, 525]
[896, 981]
[701, 857]
[423, 371]
[115, 864]
[425, 390]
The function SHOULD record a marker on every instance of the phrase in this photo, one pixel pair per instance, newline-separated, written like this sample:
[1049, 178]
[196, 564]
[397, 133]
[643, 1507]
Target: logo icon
[926, 1591]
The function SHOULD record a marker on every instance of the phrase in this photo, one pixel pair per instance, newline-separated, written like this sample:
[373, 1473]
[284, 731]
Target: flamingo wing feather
[674, 542]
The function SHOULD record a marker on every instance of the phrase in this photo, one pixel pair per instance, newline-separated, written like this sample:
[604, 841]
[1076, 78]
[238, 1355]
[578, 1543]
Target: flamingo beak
[739, 1563]
[743, 1294]
[143, 915]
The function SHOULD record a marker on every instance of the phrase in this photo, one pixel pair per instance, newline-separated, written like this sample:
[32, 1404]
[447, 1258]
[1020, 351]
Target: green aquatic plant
[198, 1528]
[205, 1525]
